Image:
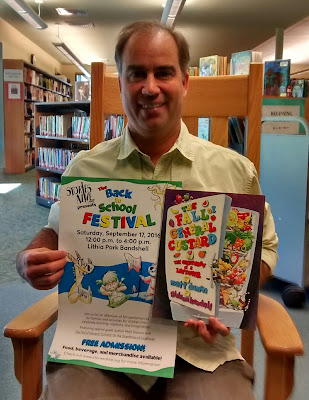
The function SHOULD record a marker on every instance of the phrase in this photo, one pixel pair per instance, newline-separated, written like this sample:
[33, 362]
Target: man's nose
[150, 87]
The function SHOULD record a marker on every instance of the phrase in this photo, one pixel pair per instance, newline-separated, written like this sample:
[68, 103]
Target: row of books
[35, 78]
[38, 94]
[29, 142]
[213, 66]
[81, 127]
[29, 158]
[113, 127]
[28, 109]
[55, 158]
[49, 188]
[55, 125]
[28, 125]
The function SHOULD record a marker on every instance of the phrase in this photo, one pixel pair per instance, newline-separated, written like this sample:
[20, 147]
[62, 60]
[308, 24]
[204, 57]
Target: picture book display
[111, 231]
[212, 257]
[277, 77]
[240, 61]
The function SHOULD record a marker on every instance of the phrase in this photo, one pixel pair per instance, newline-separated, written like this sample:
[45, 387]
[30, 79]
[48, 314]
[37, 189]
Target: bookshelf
[61, 130]
[24, 86]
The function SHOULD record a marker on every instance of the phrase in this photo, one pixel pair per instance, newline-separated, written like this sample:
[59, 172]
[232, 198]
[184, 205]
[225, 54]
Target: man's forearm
[265, 273]
[45, 238]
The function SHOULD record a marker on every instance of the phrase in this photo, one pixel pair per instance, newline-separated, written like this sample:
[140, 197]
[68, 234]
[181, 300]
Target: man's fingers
[43, 256]
[36, 270]
[47, 281]
[217, 327]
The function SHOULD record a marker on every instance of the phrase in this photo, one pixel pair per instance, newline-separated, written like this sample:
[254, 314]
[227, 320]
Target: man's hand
[208, 332]
[41, 267]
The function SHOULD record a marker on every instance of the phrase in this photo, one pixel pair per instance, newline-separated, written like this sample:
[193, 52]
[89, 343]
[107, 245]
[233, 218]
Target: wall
[1, 113]
[17, 46]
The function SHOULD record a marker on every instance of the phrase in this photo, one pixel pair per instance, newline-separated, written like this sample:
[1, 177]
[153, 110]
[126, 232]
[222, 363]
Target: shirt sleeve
[270, 238]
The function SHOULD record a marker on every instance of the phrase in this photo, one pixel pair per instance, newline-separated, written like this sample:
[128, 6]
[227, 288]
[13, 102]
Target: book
[212, 256]
[193, 71]
[298, 87]
[204, 128]
[213, 65]
[276, 77]
[111, 231]
[240, 61]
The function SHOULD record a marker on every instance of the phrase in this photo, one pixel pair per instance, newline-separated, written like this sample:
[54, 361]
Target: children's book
[240, 61]
[298, 87]
[276, 77]
[212, 252]
[111, 232]
[209, 66]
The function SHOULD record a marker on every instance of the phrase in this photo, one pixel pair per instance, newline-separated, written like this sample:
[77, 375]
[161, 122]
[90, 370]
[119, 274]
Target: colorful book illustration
[276, 77]
[212, 257]
[111, 231]
[240, 61]
[213, 65]
[298, 87]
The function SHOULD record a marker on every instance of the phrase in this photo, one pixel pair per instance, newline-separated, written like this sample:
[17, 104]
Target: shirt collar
[183, 144]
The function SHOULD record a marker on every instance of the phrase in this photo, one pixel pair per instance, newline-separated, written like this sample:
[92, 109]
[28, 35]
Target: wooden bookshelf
[35, 85]
[63, 143]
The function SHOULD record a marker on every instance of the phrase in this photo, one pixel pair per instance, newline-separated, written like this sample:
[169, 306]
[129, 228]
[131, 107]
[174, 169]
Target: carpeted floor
[20, 219]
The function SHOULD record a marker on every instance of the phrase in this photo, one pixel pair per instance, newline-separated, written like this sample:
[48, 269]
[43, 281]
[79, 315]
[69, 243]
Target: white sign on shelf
[13, 75]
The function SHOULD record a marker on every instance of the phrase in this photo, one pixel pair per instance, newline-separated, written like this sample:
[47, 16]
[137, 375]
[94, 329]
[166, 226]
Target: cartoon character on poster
[151, 280]
[113, 289]
[80, 268]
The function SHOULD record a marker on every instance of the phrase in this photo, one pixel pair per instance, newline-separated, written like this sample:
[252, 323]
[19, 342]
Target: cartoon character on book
[151, 280]
[113, 289]
[80, 268]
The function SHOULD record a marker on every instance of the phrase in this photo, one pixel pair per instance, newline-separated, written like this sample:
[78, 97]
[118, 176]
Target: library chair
[218, 98]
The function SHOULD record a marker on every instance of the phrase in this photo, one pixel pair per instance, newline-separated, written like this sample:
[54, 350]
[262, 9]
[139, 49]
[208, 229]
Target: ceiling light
[27, 13]
[72, 57]
[63, 11]
[171, 10]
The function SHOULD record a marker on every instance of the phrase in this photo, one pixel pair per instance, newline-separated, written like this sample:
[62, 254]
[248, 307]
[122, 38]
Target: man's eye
[164, 74]
[136, 76]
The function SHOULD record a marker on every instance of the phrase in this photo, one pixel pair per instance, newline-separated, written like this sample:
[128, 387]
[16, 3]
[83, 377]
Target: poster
[111, 232]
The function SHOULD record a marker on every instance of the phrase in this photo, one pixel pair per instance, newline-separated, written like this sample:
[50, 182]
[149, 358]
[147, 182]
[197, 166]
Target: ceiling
[211, 26]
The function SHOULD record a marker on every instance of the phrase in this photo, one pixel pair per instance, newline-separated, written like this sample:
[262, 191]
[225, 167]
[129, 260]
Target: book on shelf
[113, 127]
[236, 130]
[49, 188]
[203, 130]
[55, 158]
[213, 65]
[212, 256]
[81, 127]
[193, 71]
[82, 91]
[299, 87]
[55, 125]
[277, 77]
[240, 61]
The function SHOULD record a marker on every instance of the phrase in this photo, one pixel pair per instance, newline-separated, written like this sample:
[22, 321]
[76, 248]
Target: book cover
[276, 77]
[209, 66]
[240, 61]
[298, 87]
[111, 231]
[211, 245]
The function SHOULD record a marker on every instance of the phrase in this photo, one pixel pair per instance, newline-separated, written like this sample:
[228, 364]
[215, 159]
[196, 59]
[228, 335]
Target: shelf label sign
[13, 75]
[13, 90]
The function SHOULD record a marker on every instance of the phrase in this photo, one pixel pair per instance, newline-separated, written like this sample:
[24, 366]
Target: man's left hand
[210, 332]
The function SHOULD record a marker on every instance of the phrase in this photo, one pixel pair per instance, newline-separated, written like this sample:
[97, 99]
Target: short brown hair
[151, 27]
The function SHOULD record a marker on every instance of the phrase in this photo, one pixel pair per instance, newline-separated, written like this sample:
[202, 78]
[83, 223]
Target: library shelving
[61, 130]
[25, 85]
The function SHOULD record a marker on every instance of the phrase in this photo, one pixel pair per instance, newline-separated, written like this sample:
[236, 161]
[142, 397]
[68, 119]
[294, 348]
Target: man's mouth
[150, 106]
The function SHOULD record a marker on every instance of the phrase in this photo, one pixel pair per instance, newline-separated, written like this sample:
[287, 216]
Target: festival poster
[212, 251]
[111, 231]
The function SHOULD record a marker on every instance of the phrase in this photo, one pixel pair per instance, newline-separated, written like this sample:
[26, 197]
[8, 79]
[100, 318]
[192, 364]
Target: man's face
[151, 84]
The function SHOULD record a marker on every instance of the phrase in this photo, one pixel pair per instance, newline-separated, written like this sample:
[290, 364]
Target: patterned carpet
[20, 219]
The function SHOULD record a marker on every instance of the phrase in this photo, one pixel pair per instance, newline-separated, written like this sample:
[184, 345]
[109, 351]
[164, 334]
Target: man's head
[148, 27]
[152, 63]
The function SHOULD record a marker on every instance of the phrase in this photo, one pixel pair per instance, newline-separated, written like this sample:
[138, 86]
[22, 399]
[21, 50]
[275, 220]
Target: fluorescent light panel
[63, 11]
[27, 13]
[171, 10]
[71, 56]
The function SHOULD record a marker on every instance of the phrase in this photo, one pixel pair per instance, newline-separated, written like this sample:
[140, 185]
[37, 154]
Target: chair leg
[279, 377]
[28, 355]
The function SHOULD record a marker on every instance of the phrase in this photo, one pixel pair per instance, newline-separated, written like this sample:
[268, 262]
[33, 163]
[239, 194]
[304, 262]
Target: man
[152, 63]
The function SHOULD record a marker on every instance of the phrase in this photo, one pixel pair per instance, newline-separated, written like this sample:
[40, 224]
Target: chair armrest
[35, 320]
[278, 333]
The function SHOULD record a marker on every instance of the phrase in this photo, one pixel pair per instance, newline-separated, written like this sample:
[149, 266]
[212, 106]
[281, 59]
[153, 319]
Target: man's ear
[185, 83]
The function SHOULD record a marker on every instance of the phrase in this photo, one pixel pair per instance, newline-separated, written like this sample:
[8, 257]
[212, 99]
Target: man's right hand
[41, 267]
